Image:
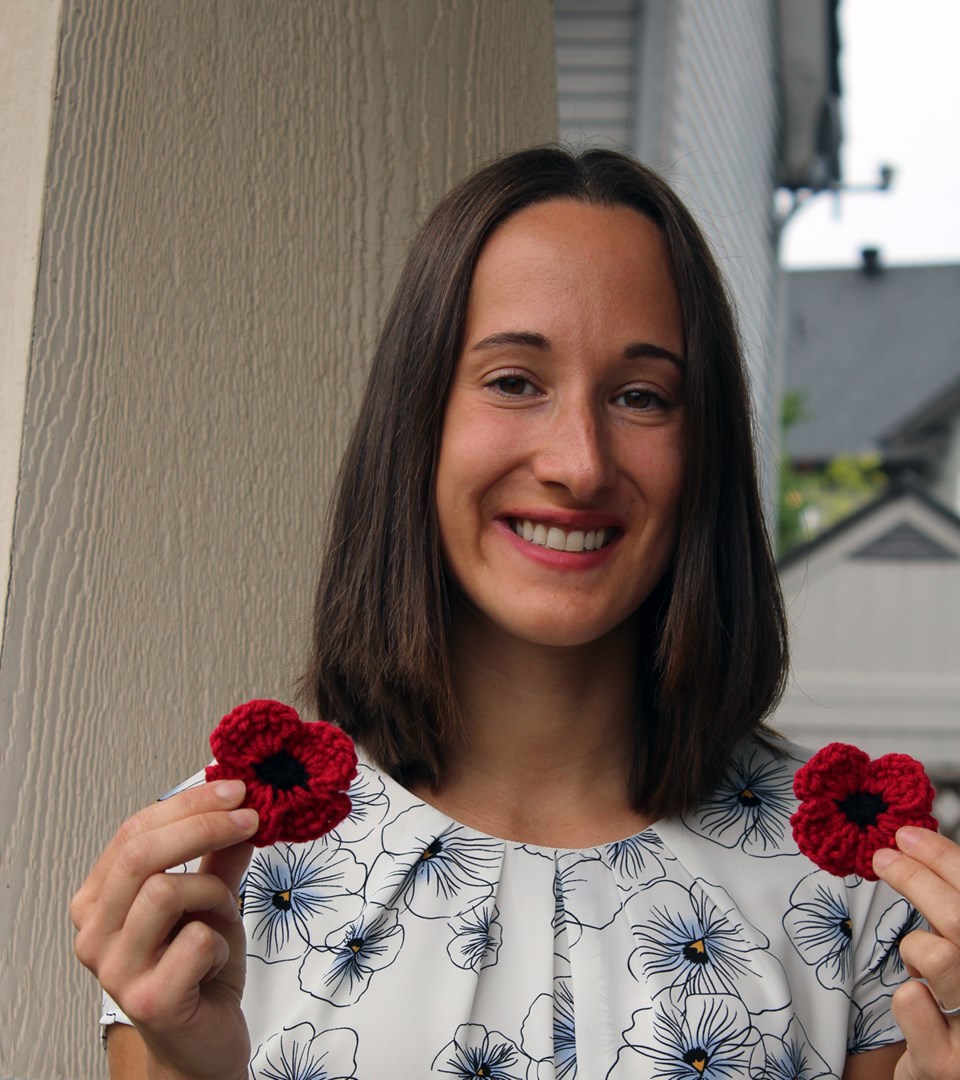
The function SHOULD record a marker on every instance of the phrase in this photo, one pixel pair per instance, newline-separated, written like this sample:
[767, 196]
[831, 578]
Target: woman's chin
[547, 630]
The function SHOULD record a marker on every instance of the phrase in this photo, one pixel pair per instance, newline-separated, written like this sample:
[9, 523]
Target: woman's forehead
[564, 261]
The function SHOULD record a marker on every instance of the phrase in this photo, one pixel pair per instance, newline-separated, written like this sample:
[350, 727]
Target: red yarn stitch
[296, 773]
[851, 806]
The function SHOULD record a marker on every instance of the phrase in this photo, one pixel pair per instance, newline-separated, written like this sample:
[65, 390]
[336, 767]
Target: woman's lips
[560, 539]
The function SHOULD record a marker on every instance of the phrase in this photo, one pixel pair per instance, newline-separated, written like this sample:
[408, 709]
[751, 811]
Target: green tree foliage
[812, 500]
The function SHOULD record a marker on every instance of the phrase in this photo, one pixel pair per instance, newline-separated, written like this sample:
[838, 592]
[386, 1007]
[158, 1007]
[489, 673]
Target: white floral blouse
[407, 945]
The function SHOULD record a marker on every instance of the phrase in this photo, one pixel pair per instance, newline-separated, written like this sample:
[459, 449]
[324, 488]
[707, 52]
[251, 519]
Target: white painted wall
[231, 186]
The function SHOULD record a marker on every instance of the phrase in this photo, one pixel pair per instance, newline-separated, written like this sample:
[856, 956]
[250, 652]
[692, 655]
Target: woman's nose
[574, 454]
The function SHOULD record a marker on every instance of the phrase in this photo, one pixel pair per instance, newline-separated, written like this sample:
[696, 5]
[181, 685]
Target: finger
[937, 960]
[924, 1027]
[222, 795]
[162, 903]
[229, 864]
[168, 996]
[922, 882]
[155, 851]
[166, 901]
[937, 852]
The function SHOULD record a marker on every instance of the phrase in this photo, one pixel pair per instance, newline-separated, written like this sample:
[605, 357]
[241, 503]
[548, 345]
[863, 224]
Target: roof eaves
[897, 490]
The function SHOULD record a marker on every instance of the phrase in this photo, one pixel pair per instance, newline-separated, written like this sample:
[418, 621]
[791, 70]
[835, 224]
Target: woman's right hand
[169, 948]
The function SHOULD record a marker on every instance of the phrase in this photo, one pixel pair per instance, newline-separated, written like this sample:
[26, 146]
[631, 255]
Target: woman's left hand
[926, 870]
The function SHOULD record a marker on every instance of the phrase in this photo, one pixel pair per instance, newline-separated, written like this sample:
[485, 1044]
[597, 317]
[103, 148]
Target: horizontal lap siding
[596, 50]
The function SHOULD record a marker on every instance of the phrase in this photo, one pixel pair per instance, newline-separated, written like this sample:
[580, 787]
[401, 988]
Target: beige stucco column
[229, 187]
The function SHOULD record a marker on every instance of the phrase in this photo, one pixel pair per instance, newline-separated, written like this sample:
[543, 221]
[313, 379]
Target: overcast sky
[901, 104]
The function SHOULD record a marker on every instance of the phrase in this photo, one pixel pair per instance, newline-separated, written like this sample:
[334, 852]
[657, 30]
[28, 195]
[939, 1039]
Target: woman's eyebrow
[637, 350]
[512, 337]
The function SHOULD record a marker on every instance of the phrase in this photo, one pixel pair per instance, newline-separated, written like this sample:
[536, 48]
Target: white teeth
[555, 538]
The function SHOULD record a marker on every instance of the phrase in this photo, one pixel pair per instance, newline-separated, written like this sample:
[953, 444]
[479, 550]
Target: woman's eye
[640, 399]
[514, 386]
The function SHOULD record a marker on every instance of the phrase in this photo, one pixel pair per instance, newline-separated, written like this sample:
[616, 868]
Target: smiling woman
[549, 617]
[604, 250]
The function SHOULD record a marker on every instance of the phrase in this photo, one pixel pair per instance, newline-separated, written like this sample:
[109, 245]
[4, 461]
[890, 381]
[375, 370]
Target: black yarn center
[282, 771]
[863, 808]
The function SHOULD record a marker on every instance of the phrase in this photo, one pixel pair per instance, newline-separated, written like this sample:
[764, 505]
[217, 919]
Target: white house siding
[720, 150]
[596, 71]
[875, 621]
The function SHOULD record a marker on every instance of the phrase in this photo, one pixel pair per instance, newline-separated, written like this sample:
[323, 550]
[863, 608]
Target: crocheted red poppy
[851, 806]
[296, 774]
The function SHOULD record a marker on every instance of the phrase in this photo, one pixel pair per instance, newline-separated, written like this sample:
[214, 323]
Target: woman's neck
[549, 745]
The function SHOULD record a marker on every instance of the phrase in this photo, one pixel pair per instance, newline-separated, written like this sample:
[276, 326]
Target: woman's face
[560, 461]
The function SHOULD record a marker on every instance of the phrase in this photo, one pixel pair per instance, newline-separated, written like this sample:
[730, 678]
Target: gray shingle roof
[870, 352]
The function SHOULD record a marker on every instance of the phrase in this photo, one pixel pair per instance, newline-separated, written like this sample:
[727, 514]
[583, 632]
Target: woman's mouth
[557, 539]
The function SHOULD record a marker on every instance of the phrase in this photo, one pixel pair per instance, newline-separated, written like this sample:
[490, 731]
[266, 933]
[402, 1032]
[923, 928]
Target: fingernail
[909, 836]
[245, 818]
[229, 790]
[884, 857]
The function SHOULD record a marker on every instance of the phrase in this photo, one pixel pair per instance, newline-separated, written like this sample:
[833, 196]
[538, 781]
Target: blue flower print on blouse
[553, 1013]
[872, 1027]
[340, 971]
[301, 1053]
[896, 922]
[474, 1051]
[434, 876]
[788, 1058]
[694, 942]
[751, 806]
[289, 885]
[369, 806]
[820, 927]
[710, 1038]
[637, 861]
[477, 936]
[586, 894]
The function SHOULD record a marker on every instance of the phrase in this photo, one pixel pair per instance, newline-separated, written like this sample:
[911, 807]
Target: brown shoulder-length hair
[712, 656]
